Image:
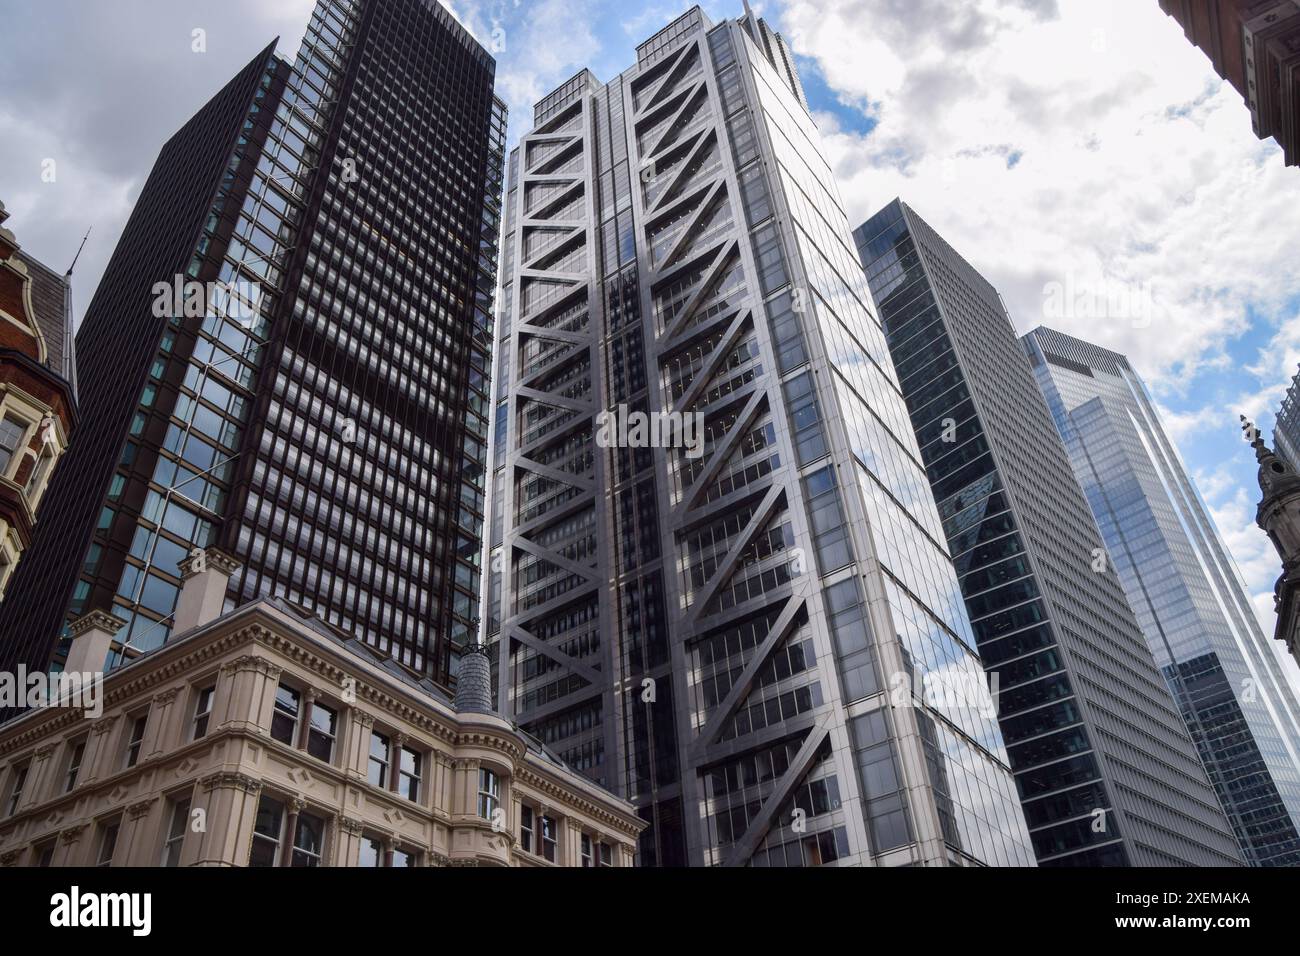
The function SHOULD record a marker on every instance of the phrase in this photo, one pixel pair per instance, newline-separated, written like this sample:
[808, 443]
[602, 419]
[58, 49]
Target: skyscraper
[1106, 772]
[753, 633]
[1182, 585]
[1255, 46]
[318, 406]
[1286, 427]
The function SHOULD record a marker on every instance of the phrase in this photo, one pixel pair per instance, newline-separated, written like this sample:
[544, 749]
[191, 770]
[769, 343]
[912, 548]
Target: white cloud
[1094, 147]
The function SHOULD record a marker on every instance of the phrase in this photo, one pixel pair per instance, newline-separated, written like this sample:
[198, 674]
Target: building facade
[1286, 426]
[1193, 609]
[318, 407]
[747, 634]
[1278, 515]
[38, 405]
[265, 737]
[1255, 46]
[1106, 772]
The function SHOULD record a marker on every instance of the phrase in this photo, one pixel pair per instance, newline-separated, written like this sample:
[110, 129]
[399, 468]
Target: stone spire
[474, 681]
[1276, 477]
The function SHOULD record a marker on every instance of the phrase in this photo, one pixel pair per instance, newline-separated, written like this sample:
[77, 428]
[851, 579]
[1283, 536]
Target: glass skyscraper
[323, 415]
[759, 639]
[1286, 428]
[1180, 580]
[1106, 772]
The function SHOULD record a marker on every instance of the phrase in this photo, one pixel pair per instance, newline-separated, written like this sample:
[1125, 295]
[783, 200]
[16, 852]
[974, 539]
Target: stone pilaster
[230, 803]
[101, 749]
[140, 838]
[159, 734]
[348, 842]
[250, 698]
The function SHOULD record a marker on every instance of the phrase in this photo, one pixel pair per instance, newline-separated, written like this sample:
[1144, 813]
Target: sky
[1078, 146]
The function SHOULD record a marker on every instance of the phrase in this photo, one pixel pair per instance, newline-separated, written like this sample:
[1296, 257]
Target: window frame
[111, 827]
[76, 759]
[278, 712]
[181, 805]
[202, 715]
[134, 745]
[489, 799]
[18, 776]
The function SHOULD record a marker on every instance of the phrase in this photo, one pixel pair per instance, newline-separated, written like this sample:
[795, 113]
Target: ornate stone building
[1279, 515]
[1255, 46]
[37, 403]
[264, 737]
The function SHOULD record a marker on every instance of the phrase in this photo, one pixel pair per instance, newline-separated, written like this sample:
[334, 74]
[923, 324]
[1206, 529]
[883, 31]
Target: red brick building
[37, 395]
[1255, 46]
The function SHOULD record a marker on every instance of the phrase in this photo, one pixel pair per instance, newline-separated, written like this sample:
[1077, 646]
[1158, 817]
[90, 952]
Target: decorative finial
[1254, 437]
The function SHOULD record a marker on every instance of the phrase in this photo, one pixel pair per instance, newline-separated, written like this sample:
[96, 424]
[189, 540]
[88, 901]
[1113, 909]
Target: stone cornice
[230, 780]
[137, 810]
[566, 797]
[96, 619]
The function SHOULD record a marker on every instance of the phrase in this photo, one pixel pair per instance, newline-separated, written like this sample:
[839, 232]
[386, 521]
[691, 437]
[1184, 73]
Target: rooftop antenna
[78, 255]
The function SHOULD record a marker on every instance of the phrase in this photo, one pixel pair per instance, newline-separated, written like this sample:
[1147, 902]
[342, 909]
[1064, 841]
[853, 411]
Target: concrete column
[294, 807]
[70, 848]
[39, 774]
[304, 717]
[205, 575]
[571, 844]
[356, 747]
[92, 639]
[348, 842]
[140, 838]
[230, 802]
[247, 693]
[101, 750]
[158, 734]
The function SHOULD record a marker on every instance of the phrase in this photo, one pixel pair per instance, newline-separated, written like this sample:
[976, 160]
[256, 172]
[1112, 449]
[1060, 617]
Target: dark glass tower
[737, 638]
[329, 431]
[1106, 772]
[1184, 588]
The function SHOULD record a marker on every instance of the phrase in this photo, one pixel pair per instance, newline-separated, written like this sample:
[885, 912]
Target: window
[108, 843]
[308, 841]
[203, 711]
[266, 833]
[136, 739]
[605, 854]
[526, 829]
[44, 853]
[43, 464]
[489, 793]
[377, 772]
[408, 782]
[372, 852]
[180, 821]
[586, 851]
[75, 755]
[320, 732]
[548, 839]
[284, 722]
[12, 433]
[16, 785]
